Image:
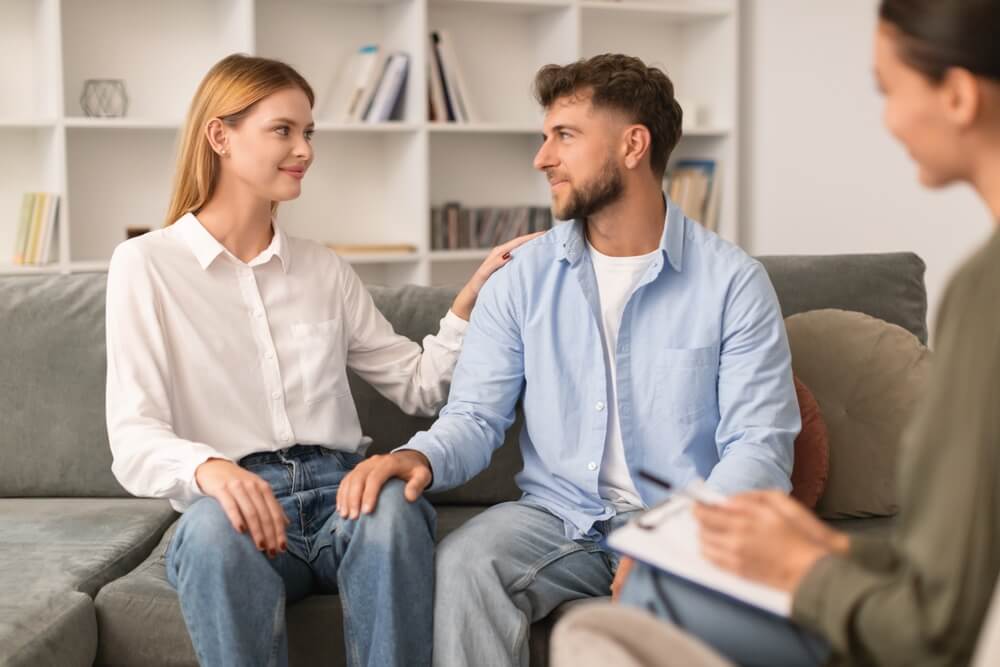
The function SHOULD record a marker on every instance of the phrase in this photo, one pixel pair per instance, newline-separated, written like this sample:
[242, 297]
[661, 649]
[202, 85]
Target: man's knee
[395, 516]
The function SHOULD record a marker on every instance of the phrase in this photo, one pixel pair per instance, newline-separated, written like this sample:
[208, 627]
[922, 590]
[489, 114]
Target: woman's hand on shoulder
[497, 258]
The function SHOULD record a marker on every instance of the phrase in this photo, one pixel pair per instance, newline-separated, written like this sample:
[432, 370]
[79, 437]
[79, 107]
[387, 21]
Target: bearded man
[635, 339]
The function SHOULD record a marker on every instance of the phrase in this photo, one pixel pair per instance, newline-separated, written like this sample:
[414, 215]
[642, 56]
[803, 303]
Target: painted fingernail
[506, 255]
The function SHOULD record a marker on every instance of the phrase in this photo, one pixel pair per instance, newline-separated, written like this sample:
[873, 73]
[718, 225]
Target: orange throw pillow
[812, 450]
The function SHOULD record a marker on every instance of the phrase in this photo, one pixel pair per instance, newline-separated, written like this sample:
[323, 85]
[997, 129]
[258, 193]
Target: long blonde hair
[228, 92]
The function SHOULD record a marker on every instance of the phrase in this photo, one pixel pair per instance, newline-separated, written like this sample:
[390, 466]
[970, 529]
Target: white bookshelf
[369, 183]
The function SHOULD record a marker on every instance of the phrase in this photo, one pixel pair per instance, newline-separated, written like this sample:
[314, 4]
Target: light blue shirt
[704, 375]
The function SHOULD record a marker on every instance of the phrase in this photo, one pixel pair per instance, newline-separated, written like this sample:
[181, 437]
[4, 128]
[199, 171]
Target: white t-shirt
[617, 278]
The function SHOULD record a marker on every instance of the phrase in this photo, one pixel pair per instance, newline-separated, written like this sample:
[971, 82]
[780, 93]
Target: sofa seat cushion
[54, 629]
[140, 619]
[74, 544]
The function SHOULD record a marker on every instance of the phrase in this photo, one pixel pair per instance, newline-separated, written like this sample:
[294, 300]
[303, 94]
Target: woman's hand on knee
[247, 500]
[358, 493]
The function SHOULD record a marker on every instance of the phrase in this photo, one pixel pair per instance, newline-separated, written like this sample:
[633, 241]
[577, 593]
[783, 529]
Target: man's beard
[603, 191]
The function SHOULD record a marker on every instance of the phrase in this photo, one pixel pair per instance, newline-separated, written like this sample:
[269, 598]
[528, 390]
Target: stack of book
[36, 229]
[694, 186]
[370, 88]
[448, 99]
[454, 227]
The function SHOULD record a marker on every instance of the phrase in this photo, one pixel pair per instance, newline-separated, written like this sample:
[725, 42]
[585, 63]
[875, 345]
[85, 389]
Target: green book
[23, 226]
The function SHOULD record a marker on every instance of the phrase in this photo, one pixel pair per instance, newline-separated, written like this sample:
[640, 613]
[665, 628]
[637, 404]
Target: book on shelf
[360, 249]
[694, 186]
[449, 98]
[454, 227]
[369, 88]
[387, 101]
[36, 228]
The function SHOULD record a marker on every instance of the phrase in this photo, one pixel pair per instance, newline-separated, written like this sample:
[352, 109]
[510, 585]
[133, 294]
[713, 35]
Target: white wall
[820, 173]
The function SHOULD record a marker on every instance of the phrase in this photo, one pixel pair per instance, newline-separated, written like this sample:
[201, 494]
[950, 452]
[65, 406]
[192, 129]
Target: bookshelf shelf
[487, 128]
[367, 127]
[370, 184]
[680, 12]
[26, 123]
[382, 258]
[82, 122]
[512, 6]
[28, 269]
[458, 255]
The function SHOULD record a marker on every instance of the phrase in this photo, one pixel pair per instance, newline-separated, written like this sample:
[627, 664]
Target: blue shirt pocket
[685, 384]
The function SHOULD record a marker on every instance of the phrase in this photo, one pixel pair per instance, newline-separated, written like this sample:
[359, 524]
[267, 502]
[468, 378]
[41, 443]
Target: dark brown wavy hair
[625, 84]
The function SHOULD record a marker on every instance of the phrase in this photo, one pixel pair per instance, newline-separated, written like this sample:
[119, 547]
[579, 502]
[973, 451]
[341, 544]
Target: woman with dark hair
[920, 597]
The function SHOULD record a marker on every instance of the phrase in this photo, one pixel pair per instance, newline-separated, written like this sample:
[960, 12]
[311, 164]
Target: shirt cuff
[190, 489]
[436, 465]
[454, 324]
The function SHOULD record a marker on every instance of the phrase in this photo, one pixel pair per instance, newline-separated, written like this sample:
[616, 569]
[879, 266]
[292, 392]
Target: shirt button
[269, 355]
[285, 437]
[599, 406]
[591, 466]
[258, 313]
[276, 395]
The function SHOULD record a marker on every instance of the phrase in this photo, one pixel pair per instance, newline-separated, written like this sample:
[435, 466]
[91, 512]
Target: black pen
[697, 496]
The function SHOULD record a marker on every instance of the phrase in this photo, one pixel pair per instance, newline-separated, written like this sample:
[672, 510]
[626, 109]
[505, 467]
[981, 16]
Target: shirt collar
[206, 248]
[573, 242]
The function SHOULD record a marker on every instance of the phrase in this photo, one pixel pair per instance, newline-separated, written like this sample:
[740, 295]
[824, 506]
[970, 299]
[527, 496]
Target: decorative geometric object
[104, 98]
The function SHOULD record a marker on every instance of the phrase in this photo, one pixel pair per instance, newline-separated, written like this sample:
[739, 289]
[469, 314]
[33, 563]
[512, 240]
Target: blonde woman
[228, 347]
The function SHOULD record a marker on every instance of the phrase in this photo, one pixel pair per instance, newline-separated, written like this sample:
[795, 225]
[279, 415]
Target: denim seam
[279, 618]
[350, 645]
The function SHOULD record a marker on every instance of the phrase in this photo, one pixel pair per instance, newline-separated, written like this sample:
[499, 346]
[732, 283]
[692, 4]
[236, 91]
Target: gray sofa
[81, 563]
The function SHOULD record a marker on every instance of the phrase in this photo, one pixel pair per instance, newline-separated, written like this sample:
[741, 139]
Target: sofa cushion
[57, 544]
[868, 376]
[889, 286]
[52, 328]
[128, 608]
[812, 450]
[52, 629]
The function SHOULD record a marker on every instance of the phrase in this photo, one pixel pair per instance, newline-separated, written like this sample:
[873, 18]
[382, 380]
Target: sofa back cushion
[53, 440]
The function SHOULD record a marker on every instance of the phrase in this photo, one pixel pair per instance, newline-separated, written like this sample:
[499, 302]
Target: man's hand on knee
[358, 493]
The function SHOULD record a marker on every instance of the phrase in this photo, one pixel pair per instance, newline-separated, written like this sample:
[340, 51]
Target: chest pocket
[322, 359]
[685, 383]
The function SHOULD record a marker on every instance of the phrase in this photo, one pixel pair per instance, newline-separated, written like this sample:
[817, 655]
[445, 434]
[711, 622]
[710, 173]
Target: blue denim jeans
[505, 569]
[746, 636]
[382, 565]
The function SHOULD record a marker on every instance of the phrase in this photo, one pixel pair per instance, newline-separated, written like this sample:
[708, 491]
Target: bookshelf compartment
[362, 188]
[116, 179]
[463, 168]
[326, 36]
[29, 162]
[29, 69]
[500, 47]
[698, 56]
[161, 66]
